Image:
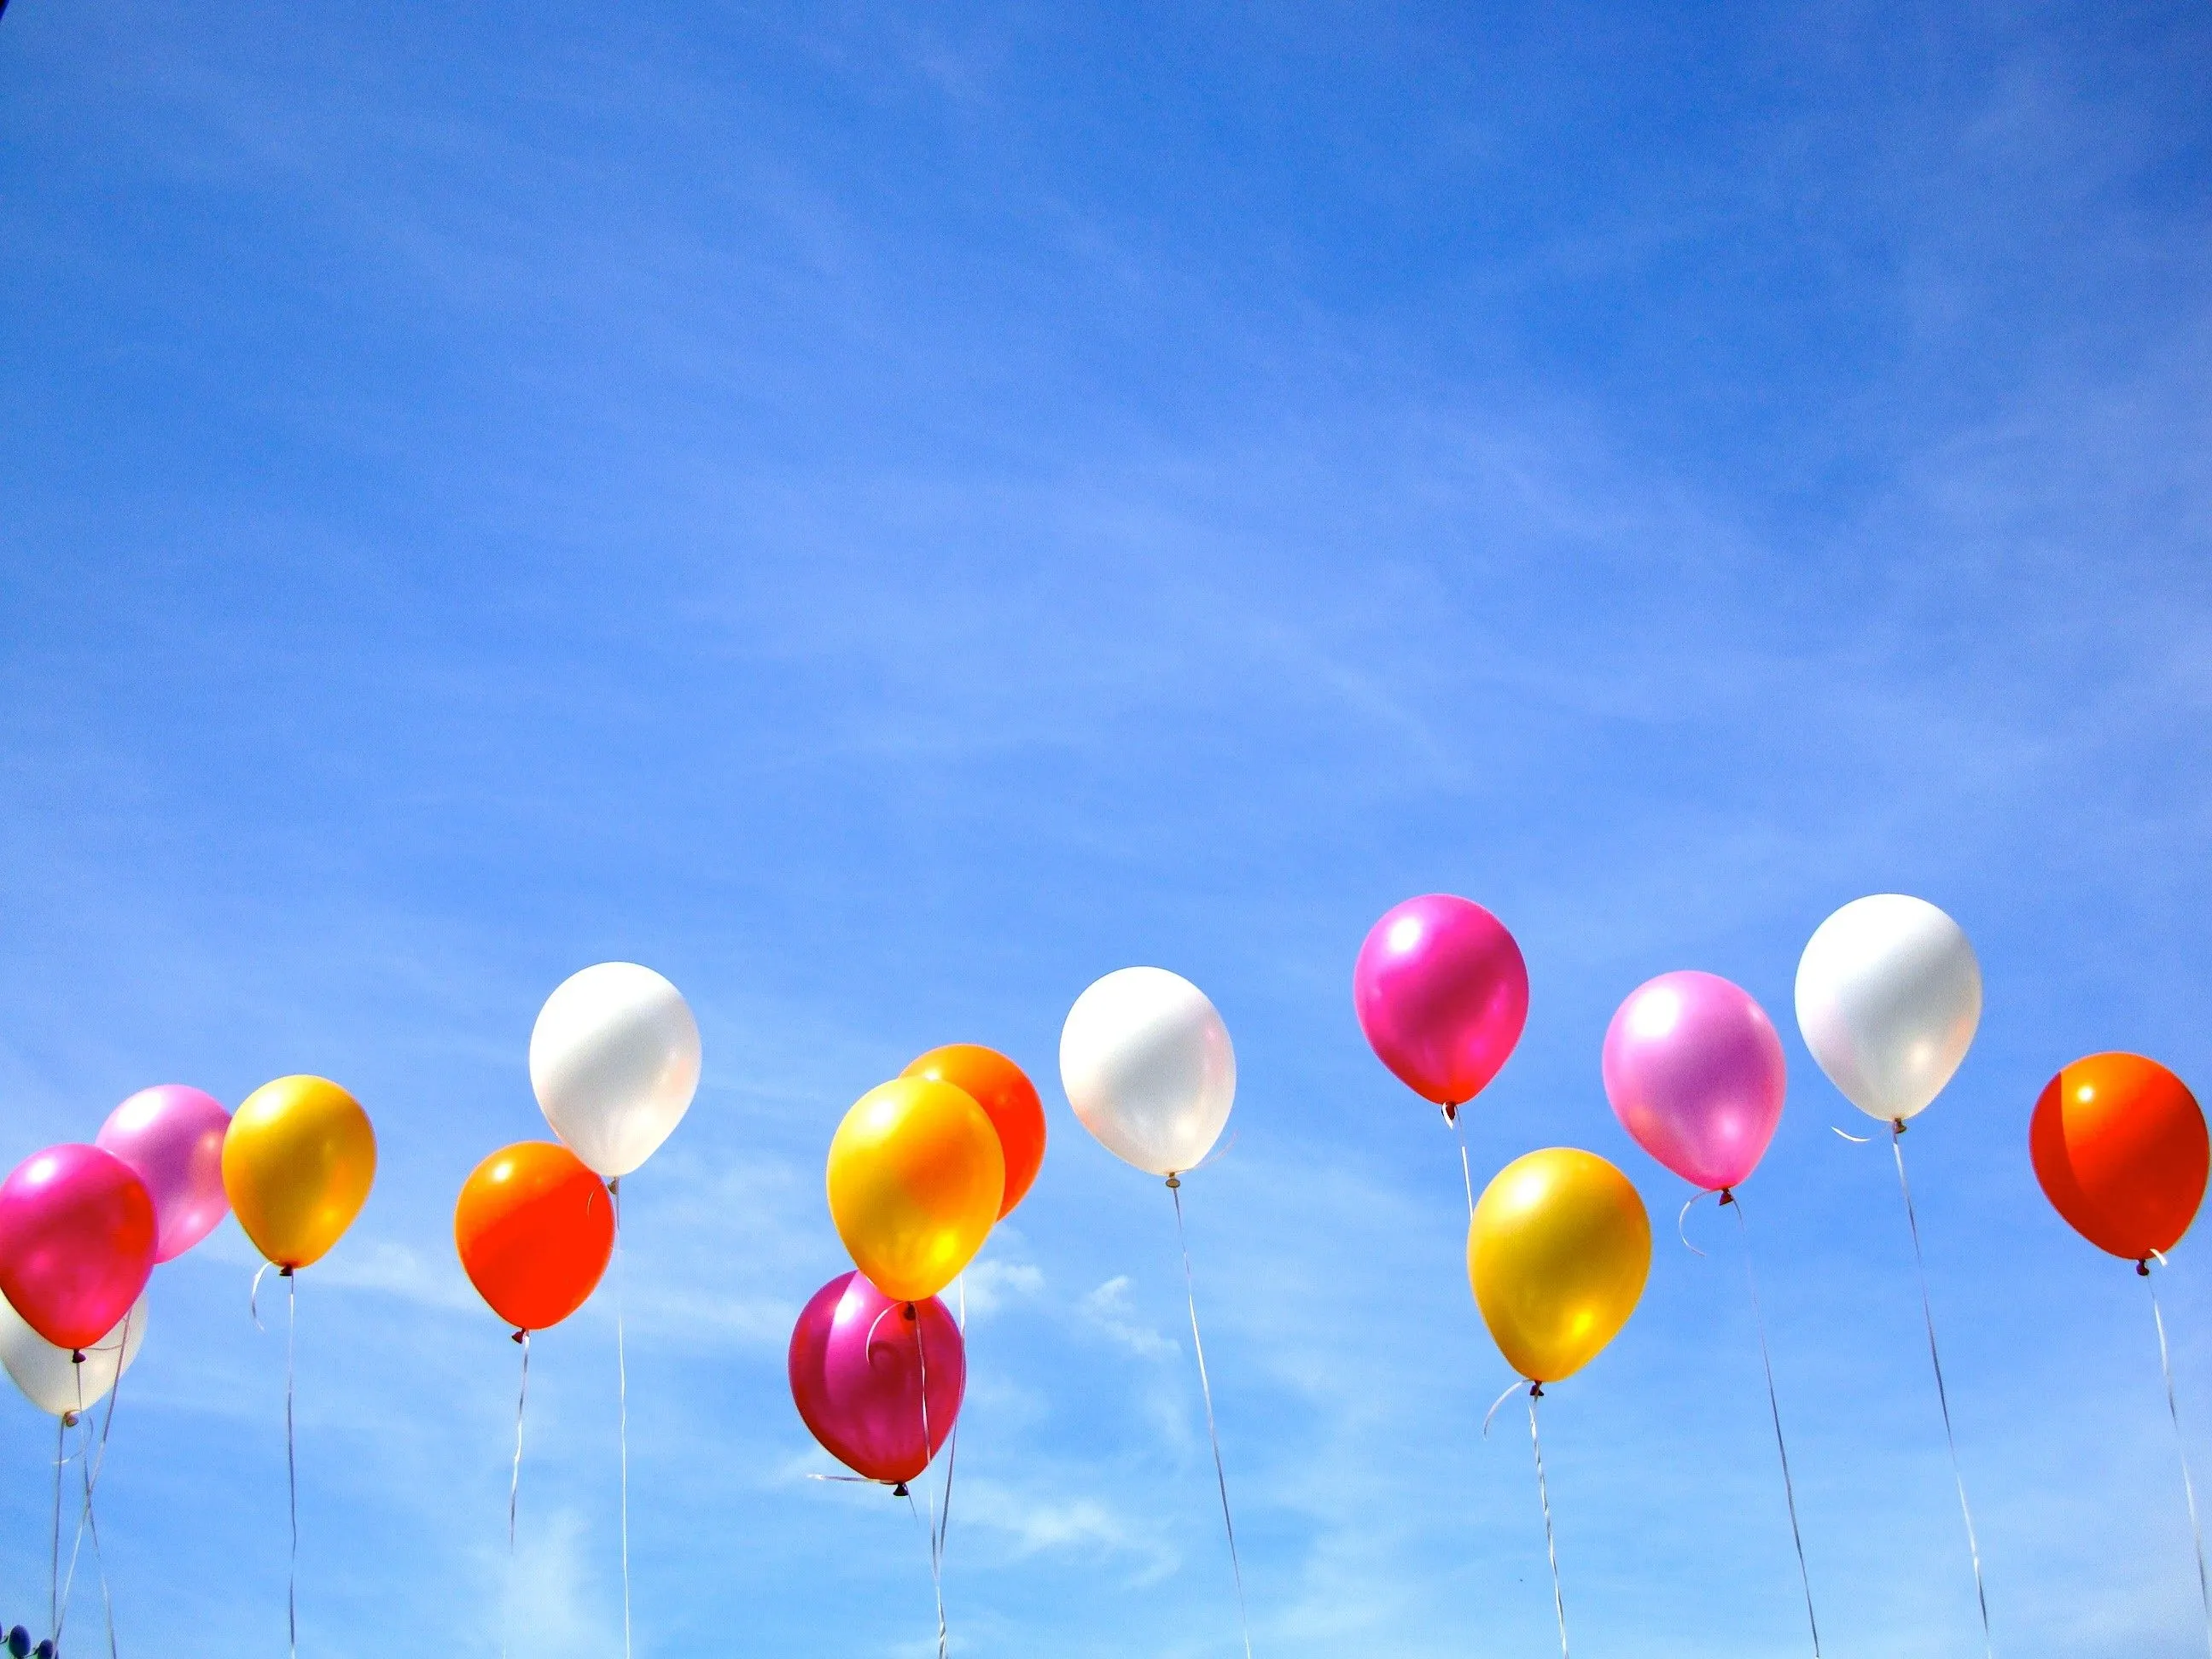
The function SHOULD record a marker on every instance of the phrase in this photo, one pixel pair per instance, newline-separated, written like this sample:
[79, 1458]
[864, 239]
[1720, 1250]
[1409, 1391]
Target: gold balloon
[297, 1164]
[916, 1176]
[1558, 1253]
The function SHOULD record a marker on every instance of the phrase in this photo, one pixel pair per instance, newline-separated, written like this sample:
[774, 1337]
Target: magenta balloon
[76, 1243]
[856, 1370]
[1442, 994]
[1694, 1069]
[172, 1137]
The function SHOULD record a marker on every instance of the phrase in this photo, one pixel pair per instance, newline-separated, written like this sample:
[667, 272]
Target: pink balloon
[856, 1368]
[1694, 1069]
[1442, 994]
[171, 1137]
[76, 1243]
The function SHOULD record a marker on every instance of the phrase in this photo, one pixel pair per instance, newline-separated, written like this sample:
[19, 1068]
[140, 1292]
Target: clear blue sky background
[887, 513]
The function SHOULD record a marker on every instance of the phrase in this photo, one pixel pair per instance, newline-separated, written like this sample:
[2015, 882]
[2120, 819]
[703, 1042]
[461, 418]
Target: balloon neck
[1173, 1183]
[2142, 1268]
[900, 1490]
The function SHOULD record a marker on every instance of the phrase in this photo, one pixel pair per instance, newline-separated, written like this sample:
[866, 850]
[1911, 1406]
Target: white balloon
[1148, 1066]
[49, 1378]
[1888, 996]
[614, 1060]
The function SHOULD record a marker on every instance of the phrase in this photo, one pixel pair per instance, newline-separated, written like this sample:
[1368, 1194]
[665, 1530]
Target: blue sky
[887, 515]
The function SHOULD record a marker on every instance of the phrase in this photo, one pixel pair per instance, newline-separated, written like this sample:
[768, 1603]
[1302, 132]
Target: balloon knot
[69, 1419]
[900, 1490]
[1728, 1195]
[1897, 1126]
[2142, 1268]
[1173, 1183]
[910, 1313]
[520, 1335]
[615, 1185]
[76, 1356]
[1451, 1112]
[1535, 1390]
[283, 1273]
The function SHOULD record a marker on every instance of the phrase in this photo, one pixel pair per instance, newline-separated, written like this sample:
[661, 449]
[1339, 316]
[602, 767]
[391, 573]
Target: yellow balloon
[916, 1176]
[1558, 1253]
[297, 1164]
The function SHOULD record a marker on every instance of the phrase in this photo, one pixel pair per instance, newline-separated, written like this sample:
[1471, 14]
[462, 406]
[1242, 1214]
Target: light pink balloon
[76, 1243]
[1695, 1071]
[856, 1365]
[172, 1136]
[1442, 994]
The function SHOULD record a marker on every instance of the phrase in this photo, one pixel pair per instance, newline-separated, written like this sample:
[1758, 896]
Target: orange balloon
[2120, 1146]
[535, 1228]
[1008, 1098]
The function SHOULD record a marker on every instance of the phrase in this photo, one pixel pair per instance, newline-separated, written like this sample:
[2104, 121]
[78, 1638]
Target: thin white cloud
[1107, 1310]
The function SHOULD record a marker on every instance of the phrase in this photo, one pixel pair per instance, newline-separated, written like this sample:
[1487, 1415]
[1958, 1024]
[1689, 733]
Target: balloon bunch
[919, 1171]
[83, 1227]
[1888, 997]
[614, 1062]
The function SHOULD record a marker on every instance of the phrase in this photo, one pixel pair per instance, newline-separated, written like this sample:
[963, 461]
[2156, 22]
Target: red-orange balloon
[2120, 1146]
[1008, 1098]
[535, 1228]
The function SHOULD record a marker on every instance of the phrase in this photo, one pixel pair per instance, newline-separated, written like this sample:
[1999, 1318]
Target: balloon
[915, 1177]
[172, 1137]
[1008, 1098]
[1557, 1252]
[534, 1228]
[2120, 1148]
[297, 1166]
[857, 1362]
[51, 1377]
[614, 1060]
[76, 1242]
[1148, 1066]
[1888, 996]
[1695, 1071]
[1442, 994]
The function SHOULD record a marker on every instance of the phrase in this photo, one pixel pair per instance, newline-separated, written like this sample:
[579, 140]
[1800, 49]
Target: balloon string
[514, 1487]
[1511, 1388]
[1682, 1223]
[1466, 1169]
[74, 1420]
[1774, 1410]
[88, 1520]
[1943, 1395]
[2188, 1486]
[1212, 1434]
[1544, 1497]
[54, 1574]
[99, 1562]
[291, 1459]
[952, 1440]
[622, 1407]
[928, 1455]
[107, 1426]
